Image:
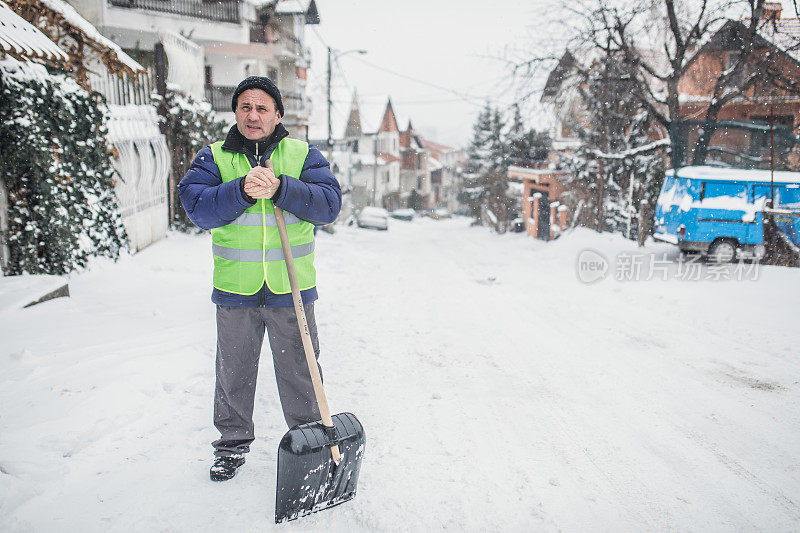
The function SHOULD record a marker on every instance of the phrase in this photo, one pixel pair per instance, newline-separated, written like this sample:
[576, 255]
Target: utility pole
[330, 142]
[331, 57]
[375, 171]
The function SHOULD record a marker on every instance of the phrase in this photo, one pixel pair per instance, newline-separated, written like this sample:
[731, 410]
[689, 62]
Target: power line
[464, 96]
[471, 99]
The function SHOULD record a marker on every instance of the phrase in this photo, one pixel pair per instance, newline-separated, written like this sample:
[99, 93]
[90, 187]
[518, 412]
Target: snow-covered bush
[58, 171]
[189, 124]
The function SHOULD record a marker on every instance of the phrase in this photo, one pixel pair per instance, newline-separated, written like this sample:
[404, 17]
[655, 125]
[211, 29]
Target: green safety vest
[247, 252]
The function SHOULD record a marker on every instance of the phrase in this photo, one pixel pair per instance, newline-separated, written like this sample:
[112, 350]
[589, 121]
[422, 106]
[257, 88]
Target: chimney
[772, 11]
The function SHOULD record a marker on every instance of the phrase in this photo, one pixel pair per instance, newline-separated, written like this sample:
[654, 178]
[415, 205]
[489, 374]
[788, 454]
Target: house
[393, 168]
[415, 171]
[209, 47]
[97, 63]
[445, 163]
[776, 54]
[368, 164]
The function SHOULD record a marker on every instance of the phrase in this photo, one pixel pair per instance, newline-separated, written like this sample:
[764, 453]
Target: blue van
[719, 211]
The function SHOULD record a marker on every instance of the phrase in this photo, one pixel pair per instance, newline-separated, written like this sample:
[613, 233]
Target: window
[788, 196]
[717, 189]
[760, 139]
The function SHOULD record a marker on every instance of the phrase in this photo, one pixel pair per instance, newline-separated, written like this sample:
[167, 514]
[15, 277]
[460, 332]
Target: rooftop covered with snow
[24, 41]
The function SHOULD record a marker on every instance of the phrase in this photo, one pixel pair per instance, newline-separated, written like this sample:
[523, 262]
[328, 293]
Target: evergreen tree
[498, 204]
[58, 172]
[525, 145]
[473, 192]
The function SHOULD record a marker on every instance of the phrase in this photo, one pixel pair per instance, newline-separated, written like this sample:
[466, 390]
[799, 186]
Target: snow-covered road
[498, 392]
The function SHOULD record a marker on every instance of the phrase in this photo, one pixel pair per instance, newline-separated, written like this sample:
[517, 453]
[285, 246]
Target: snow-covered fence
[143, 166]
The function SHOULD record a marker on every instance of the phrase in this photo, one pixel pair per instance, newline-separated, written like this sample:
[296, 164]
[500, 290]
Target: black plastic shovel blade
[308, 479]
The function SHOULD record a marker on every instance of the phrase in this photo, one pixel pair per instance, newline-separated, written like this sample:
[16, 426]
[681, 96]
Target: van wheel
[722, 251]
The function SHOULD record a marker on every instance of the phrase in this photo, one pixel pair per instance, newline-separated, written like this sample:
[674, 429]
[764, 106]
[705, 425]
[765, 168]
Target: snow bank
[18, 291]
[498, 392]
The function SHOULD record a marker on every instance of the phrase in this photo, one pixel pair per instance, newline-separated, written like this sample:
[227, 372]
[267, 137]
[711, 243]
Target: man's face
[256, 114]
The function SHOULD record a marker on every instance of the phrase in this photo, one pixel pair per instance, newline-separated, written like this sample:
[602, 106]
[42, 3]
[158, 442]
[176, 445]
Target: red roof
[389, 158]
[436, 147]
[389, 122]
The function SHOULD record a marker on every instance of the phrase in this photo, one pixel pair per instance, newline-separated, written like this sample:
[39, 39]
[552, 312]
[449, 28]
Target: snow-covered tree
[494, 146]
[188, 124]
[59, 175]
[616, 165]
[525, 144]
[499, 205]
[473, 191]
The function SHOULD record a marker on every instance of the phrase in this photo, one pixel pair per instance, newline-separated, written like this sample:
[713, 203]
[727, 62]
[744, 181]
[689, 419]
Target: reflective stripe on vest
[247, 252]
[258, 256]
[256, 219]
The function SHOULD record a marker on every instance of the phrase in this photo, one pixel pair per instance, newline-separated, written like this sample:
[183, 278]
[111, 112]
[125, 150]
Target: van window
[716, 189]
[761, 192]
[788, 196]
[725, 195]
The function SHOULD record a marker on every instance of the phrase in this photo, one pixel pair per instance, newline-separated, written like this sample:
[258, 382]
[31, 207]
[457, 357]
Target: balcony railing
[220, 11]
[220, 97]
[121, 90]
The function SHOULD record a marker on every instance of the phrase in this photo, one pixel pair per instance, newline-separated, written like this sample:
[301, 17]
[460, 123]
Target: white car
[403, 214]
[373, 217]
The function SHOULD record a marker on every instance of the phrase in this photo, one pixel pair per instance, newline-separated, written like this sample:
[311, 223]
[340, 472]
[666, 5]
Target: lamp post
[331, 56]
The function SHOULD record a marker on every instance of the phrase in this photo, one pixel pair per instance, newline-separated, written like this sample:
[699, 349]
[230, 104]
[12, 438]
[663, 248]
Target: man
[231, 190]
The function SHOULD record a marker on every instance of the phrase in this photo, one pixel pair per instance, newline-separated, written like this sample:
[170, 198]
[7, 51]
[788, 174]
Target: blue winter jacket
[316, 197]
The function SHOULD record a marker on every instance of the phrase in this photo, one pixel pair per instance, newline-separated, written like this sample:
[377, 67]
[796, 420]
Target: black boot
[224, 468]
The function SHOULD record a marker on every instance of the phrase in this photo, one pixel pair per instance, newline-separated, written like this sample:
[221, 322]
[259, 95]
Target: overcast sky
[447, 44]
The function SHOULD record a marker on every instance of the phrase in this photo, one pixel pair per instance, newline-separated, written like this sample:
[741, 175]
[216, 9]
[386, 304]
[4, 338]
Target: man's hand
[261, 182]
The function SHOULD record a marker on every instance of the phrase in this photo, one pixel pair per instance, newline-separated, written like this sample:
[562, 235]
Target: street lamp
[334, 55]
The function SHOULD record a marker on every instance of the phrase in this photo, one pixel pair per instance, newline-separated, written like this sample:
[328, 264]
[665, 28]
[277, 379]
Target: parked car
[719, 211]
[373, 217]
[439, 213]
[403, 214]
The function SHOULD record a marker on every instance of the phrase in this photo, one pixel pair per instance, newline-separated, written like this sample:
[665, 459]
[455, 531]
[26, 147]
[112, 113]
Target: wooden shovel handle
[311, 360]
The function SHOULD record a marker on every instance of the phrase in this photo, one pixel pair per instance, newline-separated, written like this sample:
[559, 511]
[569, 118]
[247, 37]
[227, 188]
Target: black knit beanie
[259, 82]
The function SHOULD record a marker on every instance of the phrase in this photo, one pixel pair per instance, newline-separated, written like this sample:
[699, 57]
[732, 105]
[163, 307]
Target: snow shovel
[318, 462]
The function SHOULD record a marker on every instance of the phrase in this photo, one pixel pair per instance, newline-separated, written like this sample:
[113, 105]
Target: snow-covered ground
[498, 392]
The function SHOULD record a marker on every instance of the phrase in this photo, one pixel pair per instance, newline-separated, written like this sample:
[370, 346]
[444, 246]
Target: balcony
[219, 11]
[220, 97]
[294, 104]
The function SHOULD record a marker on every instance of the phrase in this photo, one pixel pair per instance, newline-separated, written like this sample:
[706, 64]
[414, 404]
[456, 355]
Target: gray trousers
[240, 334]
